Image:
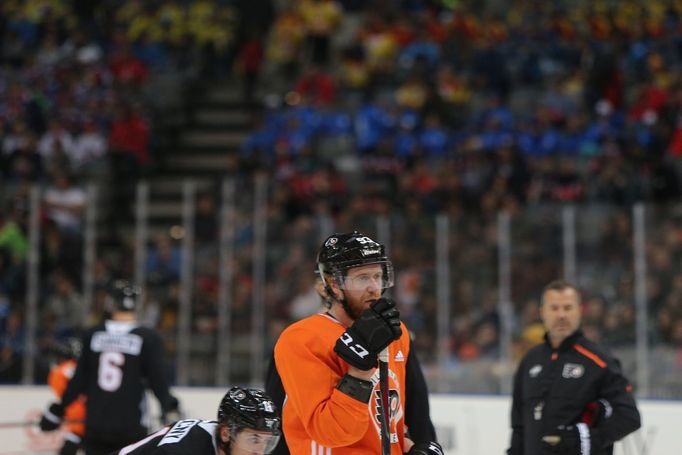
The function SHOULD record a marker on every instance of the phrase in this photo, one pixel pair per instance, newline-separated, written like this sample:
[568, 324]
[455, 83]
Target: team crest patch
[573, 371]
[535, 371]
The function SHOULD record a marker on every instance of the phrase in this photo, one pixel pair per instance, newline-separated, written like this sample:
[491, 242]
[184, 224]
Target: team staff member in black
[248, 423]
[570, 396]
[119, 361]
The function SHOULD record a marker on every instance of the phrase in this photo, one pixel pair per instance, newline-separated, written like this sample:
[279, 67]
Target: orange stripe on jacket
[591, 355]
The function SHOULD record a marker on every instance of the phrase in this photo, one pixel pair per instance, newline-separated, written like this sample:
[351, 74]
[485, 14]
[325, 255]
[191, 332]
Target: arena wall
[466, 425]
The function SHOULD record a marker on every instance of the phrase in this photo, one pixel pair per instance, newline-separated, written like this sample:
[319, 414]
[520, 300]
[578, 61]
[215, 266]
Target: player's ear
[336, 289]
[224, 434]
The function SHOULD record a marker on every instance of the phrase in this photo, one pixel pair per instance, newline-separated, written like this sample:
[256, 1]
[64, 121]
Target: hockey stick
[31, 423]
[383, 408]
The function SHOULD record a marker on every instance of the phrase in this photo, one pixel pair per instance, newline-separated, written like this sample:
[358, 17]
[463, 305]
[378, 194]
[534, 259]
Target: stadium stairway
[196, 144]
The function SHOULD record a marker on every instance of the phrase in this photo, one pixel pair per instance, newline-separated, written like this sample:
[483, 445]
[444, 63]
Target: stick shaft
[384, 414]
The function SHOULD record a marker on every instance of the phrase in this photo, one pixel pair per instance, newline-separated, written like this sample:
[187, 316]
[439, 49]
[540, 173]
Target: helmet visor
[253, 441]
[379, 275]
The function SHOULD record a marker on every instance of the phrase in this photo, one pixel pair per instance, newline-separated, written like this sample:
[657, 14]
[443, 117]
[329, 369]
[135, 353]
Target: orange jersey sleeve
[58, 379]
[318, 418]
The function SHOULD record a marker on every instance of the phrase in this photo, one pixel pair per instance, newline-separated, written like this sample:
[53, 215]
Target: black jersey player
[120, 360]
[248, 423]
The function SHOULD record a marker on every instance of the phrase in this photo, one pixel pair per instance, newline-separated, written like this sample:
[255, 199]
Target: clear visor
[259, 442]
[379, 276]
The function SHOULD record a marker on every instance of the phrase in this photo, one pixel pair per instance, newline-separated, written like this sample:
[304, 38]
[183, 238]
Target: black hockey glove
[52, 418]
[69, 448]
[375, 329]
[571, 440]
[426, 448]
[172, 413]
[596, 412]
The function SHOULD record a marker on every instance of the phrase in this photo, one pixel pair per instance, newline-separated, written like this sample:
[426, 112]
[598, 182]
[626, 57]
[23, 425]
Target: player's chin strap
[331, 298]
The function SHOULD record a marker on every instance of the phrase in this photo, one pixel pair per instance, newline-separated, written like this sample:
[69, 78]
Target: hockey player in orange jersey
[327, 362]
[74, 414]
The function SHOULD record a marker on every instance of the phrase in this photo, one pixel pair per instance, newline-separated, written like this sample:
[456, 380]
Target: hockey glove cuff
[52, 418]
[426, 448]
[596, 412]
[172, 413]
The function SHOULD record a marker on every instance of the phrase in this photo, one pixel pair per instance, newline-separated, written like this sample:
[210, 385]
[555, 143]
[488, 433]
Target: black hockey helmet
[246, 408]
[69, 348]
[122, 296]
[340, 252]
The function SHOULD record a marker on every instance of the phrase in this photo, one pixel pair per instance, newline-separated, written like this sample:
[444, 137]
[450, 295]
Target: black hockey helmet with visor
[250, 409]
[341, 252]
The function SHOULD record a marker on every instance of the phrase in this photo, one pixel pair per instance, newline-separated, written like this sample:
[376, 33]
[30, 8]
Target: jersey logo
[178, 431]
[535, 371]
[399, 357]
[573, 371]
[395, 407]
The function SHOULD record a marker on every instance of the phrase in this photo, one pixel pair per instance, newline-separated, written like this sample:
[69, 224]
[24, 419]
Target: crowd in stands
[77, 106]
[404, 109]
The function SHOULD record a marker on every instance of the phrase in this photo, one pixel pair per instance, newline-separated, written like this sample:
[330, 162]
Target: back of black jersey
[188, 436]
[119, 361]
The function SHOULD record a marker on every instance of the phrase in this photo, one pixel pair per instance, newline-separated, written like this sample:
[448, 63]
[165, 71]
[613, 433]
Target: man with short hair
[570, 396]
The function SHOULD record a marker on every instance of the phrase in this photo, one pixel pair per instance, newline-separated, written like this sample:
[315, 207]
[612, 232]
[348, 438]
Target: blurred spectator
[248, 65]
[285, 44]
[11, 347]
[12, 239]
[316, 87]
[164, 261]
[321, 19]
[129, 142]
[127, 69]
[56, 146]
[89, 156]
[67, 305]
[64, 203]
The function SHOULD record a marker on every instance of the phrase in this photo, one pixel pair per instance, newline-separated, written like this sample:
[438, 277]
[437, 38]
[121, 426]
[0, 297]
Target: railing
[467, 284]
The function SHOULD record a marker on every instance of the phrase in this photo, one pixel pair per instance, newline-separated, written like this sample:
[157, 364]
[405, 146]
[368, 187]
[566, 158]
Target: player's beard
[353, 311]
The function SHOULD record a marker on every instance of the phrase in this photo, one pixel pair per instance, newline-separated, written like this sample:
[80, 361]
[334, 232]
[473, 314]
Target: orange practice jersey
[58, 379]
[318, 418]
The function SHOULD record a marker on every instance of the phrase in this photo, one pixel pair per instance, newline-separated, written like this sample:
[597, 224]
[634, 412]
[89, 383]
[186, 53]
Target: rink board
[466, 425]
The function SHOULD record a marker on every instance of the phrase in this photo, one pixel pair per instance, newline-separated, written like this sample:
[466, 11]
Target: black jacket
[417, 416]
[553, 387]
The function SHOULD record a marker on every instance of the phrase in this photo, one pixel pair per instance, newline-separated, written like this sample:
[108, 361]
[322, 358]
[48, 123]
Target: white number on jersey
[110, 372]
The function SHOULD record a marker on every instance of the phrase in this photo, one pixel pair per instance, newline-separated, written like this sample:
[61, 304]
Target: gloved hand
[375, 329]
[570, 440]
[69, 447]
[596, 412]
[172, 413]
[52, 418]
[426, 448]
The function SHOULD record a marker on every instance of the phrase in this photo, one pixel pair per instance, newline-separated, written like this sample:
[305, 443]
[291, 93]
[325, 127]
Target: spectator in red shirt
[129, 136]
[129, 151]
[316, 86]
[128, 69]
